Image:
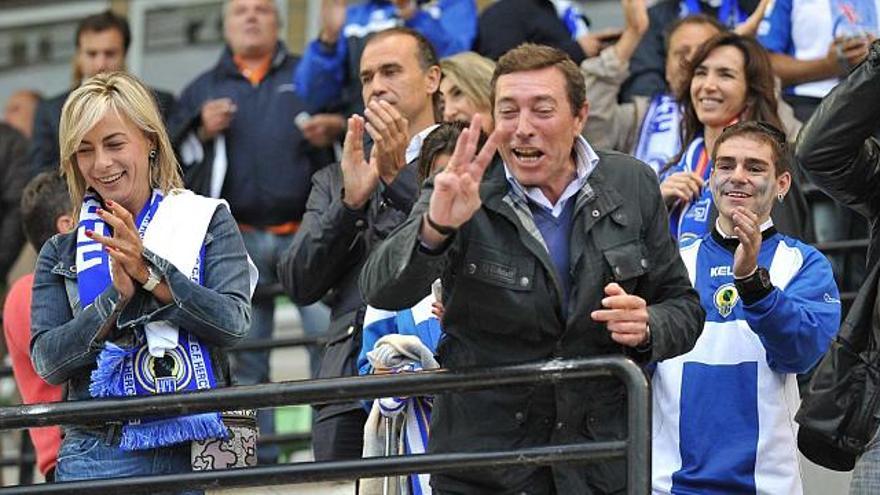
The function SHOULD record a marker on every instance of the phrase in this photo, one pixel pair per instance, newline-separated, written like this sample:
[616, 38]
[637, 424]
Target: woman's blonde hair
[127, 96]
[472, 74]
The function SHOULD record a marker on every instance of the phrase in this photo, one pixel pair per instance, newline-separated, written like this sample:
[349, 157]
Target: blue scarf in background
[572, 16]
[854, 18]
[134, 371]
[658, 140]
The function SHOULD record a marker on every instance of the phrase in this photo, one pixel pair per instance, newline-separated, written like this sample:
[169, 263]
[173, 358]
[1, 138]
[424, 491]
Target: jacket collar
[227, 64]
[595, 191]
[585, 160]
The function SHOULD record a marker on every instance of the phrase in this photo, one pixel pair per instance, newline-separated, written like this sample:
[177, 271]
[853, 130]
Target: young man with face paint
[723, 411]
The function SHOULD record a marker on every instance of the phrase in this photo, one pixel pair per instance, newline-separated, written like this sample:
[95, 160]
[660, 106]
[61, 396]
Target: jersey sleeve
[774, 31]
[796, 325]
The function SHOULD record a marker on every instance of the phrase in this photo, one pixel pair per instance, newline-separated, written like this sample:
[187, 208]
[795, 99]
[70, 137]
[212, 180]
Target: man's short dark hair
[102, 22]
[765, 133]
[43, 200]
[696, 19]
[425, 53]
[528, 57]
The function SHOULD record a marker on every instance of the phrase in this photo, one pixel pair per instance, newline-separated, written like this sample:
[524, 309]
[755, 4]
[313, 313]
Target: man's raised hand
[456, 195]
[332, 20]
[389, 130]
[748, 231]
[359, 178]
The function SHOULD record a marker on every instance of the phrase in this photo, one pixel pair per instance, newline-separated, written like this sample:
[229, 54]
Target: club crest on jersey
[726, 298]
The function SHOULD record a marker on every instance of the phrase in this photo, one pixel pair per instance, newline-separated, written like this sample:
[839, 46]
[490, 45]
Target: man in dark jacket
[558, 251]
[236, 132]
[836, 150]
[14, 176]
[355, 204]
[102, 41]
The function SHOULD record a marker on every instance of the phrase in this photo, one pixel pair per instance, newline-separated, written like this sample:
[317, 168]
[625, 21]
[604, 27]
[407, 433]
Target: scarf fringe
[169, 431]
[107, 380]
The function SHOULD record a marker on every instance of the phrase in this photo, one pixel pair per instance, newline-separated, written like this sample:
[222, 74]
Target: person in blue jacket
[328, 75]
[723, 412]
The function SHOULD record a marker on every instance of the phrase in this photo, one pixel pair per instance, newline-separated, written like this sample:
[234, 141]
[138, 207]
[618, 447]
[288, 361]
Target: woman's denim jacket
[64, 336]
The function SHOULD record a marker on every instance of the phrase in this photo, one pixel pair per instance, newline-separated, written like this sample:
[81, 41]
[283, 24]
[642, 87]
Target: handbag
[238, 450]
[840, 411]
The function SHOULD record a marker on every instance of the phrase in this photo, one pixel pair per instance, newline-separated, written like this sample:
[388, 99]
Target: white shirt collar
[415, 144]
[586, 160]
[764, 226]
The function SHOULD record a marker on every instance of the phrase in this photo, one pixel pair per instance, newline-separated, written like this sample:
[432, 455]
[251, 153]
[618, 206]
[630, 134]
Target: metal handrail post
[638, 445]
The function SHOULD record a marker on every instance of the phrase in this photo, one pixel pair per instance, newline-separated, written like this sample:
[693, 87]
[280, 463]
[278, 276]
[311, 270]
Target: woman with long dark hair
[730, 80]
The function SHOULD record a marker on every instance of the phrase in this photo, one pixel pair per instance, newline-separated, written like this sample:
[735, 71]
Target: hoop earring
[780, 197]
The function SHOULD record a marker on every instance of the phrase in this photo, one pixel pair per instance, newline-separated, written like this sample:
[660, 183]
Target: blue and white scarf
[729, 12]
[690, 220]
[145, 369]
[658, 139]
[572, 16]
[415, 429]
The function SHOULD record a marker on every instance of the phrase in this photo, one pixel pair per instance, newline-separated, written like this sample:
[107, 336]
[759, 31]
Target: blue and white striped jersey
[723, 413]
[418, 321]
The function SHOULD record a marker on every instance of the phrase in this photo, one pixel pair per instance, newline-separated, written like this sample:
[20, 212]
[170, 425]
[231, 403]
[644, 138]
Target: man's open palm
[359, 177]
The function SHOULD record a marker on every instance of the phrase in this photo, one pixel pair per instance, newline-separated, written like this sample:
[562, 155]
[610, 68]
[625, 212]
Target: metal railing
[247, 345]
[636, 448]
[25, 461]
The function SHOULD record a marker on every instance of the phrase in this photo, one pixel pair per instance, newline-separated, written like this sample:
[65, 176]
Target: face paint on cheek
[716, 186]
[763, 198]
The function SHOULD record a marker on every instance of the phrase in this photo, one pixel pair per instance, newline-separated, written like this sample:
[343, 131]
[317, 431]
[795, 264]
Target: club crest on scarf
[169, 373]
